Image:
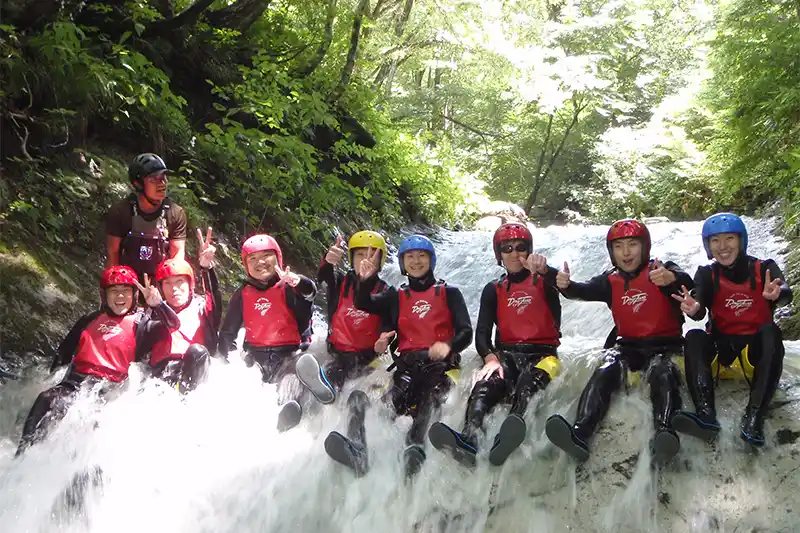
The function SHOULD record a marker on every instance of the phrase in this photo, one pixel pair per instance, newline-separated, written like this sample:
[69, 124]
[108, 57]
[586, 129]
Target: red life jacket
[268, 321]
[523, 316]
[354, 330]
[423, 318]
[641, 310]
[739, 309]
[192, 330]
[107, 347]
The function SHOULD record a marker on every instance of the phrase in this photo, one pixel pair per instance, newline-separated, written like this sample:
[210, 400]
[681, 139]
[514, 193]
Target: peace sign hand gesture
[205, 251]
[287, 276]
[689, 305]
[335, 252]
[369, 266]
[151, 294]
[772, 287]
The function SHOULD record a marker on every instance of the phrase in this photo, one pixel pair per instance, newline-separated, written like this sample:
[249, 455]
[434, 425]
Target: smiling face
[119, 298]
[176, 291]
[725, 247]
[155, 187]
[417, 263]
[359, 254]
[261, 265]
[627, 253]
[513, 252]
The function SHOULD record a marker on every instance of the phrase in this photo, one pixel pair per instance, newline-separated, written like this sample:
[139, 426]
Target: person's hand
[689, 305]
[438, 351]
[370, 266]
[536, 263]
[491, 365]
[205, 251]
[335, 252]
[152, 296]
[562, 278]
[287, 276]
[383, 342]
[660, 275]
[772, 287]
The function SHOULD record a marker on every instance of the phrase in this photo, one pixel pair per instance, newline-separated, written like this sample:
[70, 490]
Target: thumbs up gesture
[335, 252]
[562, 278]
[772, 287]
[660, 275]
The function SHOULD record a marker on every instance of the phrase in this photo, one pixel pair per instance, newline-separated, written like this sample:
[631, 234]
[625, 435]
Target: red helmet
[508, 232]
[261, 243]
[175, 267]
[629, 228]
[119, 275]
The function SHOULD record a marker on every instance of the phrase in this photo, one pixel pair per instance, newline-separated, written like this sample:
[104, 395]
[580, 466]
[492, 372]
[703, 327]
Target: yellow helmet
[367, 239]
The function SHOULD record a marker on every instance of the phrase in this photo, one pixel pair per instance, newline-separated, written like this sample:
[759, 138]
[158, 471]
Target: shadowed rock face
[212, 461]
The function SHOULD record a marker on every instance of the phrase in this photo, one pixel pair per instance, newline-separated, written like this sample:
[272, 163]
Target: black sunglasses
[521, 247]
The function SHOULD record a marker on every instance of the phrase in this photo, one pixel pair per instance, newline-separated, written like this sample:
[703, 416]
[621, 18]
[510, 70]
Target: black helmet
[145, 165]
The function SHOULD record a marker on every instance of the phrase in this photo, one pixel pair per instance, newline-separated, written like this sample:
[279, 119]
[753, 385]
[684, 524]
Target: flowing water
[212, 461]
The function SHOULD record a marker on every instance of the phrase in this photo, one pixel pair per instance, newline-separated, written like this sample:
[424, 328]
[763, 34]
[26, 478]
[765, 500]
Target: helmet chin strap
[140, 192]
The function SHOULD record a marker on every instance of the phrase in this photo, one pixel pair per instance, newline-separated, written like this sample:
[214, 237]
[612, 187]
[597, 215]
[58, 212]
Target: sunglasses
[157, 178]
[521, 247]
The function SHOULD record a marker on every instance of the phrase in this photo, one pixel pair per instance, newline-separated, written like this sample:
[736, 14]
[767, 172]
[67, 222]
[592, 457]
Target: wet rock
[786, 436]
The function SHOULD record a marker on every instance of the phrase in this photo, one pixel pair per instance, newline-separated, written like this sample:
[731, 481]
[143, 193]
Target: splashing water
[212, 461]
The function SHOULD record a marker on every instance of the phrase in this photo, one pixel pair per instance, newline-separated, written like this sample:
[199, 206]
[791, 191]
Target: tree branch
[239, 15]
[188, 16]
[322, 50]
[473, 129]
[350, 64]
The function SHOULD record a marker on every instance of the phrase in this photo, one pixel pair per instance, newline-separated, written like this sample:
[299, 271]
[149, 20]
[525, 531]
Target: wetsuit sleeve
[234, 319]
[487, 318]
[326, 273]
[69, 346]
[703, 291]
[213, 296]
[597, 289]
[768, 265]
[384, 303]
[681, 279]
[305, 288]
[301, 307]
[461, 322]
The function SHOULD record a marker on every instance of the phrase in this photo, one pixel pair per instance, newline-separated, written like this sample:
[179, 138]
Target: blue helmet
[724, 223]
[415, 242]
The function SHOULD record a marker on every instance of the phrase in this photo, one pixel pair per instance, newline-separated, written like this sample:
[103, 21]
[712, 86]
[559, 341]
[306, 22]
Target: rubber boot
[512, 432]
[665, 396]
[767, 375]
[351, 451]
[702, 423]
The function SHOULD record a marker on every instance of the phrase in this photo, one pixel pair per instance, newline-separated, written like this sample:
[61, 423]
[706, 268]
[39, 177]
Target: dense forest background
[298, 116]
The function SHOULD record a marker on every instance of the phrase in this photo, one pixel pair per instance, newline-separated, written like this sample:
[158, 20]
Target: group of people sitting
[425, 325]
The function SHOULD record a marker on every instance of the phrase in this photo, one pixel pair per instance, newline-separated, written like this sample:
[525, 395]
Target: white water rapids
[212, 461]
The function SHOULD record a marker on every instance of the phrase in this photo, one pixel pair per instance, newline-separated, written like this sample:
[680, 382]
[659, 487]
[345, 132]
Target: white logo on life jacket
[739, 303]
[421, 308]
[109, 330]
[634, 298]
[357, 316]
[521, 302]
[263, 305]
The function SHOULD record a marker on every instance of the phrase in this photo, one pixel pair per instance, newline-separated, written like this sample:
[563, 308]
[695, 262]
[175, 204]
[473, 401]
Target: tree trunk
[326, 41]
[350, 64]
[240, 15]
[540, 177]
[187, 17]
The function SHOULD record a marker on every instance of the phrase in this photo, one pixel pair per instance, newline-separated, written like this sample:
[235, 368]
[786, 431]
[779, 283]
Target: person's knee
[197, 353]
